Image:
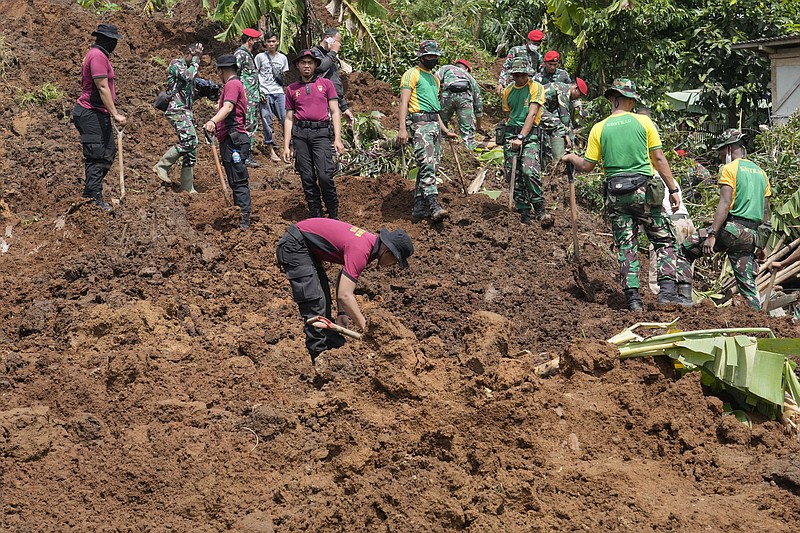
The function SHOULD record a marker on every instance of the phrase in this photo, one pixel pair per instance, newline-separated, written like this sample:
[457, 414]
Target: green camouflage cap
[730, 136]
[429, 48]
[520, 65]
[624, 87]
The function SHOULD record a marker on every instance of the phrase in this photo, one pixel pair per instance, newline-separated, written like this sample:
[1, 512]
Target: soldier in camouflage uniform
[740, 224]
[523, 100]
[557, 134]
[628, 146]
[461, 95]
[248, 73]
[180, 82]
[549, 71]
[529, 52]
[419, 111]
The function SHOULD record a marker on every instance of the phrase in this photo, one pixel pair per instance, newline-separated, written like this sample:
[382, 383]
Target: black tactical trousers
[99, 148]
[313, 152]
[238, 177]
[310, 289]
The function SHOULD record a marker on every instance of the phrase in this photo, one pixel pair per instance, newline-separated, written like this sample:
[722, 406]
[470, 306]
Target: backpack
[162, 100]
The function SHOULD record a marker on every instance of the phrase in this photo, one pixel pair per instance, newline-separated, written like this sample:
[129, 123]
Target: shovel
[120, 133]
[512, 182]
[215, 152]
[458, 164]
[581, 280]
[323, 323]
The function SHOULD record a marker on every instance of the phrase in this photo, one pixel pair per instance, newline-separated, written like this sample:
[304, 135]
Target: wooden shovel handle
[322, 322]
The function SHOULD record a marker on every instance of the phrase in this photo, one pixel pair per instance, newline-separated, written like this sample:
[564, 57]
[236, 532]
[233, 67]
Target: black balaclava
[429, 64]
[106, 43]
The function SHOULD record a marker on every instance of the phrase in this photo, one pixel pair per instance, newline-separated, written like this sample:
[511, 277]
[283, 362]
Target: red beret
[536, 36]
[552, 55]
[582, 86]
[465, 63]
[250, 32]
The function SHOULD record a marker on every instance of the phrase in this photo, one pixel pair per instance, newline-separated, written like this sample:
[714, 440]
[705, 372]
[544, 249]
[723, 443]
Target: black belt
[313, 124]
[746, 222]
[514, 130]
[457, 89]
[424, 117]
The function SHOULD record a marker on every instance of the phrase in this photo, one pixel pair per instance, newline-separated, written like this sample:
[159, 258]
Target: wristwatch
[520, 136]
[673, 191]
[712, 232]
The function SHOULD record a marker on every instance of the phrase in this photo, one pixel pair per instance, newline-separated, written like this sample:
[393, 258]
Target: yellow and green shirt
[622, 144]
[750, 186]
[517, 100]
[424, 87]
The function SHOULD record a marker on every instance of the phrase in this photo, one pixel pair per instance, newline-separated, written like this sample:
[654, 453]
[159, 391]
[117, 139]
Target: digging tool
[512, 182]
[215, 152]
[769, 290]
[77, 205]
[323, 323]
[578, 273]
[120, 133]
[458, 164]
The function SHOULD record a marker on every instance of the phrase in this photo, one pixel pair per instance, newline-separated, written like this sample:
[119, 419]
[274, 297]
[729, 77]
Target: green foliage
[588, 188]
[167, 6]
[159, 61]
[372, 150]
[99, 7]
[46, 93]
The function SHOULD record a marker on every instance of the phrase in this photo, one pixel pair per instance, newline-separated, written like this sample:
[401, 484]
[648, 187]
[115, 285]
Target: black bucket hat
[226, 60]
[306, 53]
[108, 30]
[399, 243]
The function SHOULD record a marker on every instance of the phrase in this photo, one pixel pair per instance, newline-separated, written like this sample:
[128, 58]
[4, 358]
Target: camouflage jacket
[557, 114]
[456, 77]
[560, 75]
[180, 82]
[534, 59]
[248, 73]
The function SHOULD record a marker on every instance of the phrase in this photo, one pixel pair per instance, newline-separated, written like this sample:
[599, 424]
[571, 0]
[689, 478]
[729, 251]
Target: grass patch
[46, 93]
[7, 56]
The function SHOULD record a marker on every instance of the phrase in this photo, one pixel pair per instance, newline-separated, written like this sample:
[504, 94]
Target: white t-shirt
[268, 66]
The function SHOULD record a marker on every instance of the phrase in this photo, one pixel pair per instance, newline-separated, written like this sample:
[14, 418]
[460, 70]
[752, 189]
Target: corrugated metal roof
[771, 42]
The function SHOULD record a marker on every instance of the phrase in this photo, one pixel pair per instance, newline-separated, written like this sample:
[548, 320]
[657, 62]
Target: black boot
[244, 223]
[420, 210]
[316, 211]
[633, 300]
[525, 216]
[685, 290]
[437, 211]
[98, 201]
[668, 295]
[539, 212]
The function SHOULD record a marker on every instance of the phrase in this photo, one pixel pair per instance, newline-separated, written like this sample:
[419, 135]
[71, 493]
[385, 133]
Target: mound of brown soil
[153, 373]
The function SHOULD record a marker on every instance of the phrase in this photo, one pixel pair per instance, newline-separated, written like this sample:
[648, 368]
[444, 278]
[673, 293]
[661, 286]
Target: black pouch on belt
[625, 183]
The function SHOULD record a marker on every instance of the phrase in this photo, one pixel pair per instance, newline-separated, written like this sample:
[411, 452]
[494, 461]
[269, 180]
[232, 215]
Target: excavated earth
[153, 375]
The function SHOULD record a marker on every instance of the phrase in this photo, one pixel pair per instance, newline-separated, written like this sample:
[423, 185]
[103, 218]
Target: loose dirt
[153, 374]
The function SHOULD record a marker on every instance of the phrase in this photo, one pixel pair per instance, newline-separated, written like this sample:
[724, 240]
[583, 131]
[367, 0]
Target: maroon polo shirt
[309, 101]
[95, 65]
[339, 242]
[232, 92]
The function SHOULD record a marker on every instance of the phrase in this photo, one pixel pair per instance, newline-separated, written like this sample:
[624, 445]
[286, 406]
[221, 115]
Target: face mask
[533, 47]
[430, 63]
[728, 156]
[108, 44]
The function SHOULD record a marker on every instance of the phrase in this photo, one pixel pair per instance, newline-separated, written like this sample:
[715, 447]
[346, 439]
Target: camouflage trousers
[528, 182]
[552, 142]
[738, 242]
[251, 113]
[183, 122]
[460, 104]
[627, 212]
[427, 143]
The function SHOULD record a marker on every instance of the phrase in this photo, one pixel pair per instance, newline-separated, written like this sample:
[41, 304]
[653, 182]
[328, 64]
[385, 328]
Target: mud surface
[153, 374]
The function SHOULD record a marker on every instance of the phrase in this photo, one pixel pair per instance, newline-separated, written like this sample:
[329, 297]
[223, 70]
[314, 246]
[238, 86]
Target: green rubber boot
[187, 179]
[166, 162]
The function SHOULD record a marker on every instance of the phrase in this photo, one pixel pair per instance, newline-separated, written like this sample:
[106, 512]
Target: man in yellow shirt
[523, 101]
[628, 147]
[419, 112]
[741, 222]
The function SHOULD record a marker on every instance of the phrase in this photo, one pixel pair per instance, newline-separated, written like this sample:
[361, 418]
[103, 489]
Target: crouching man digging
[304, 247]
